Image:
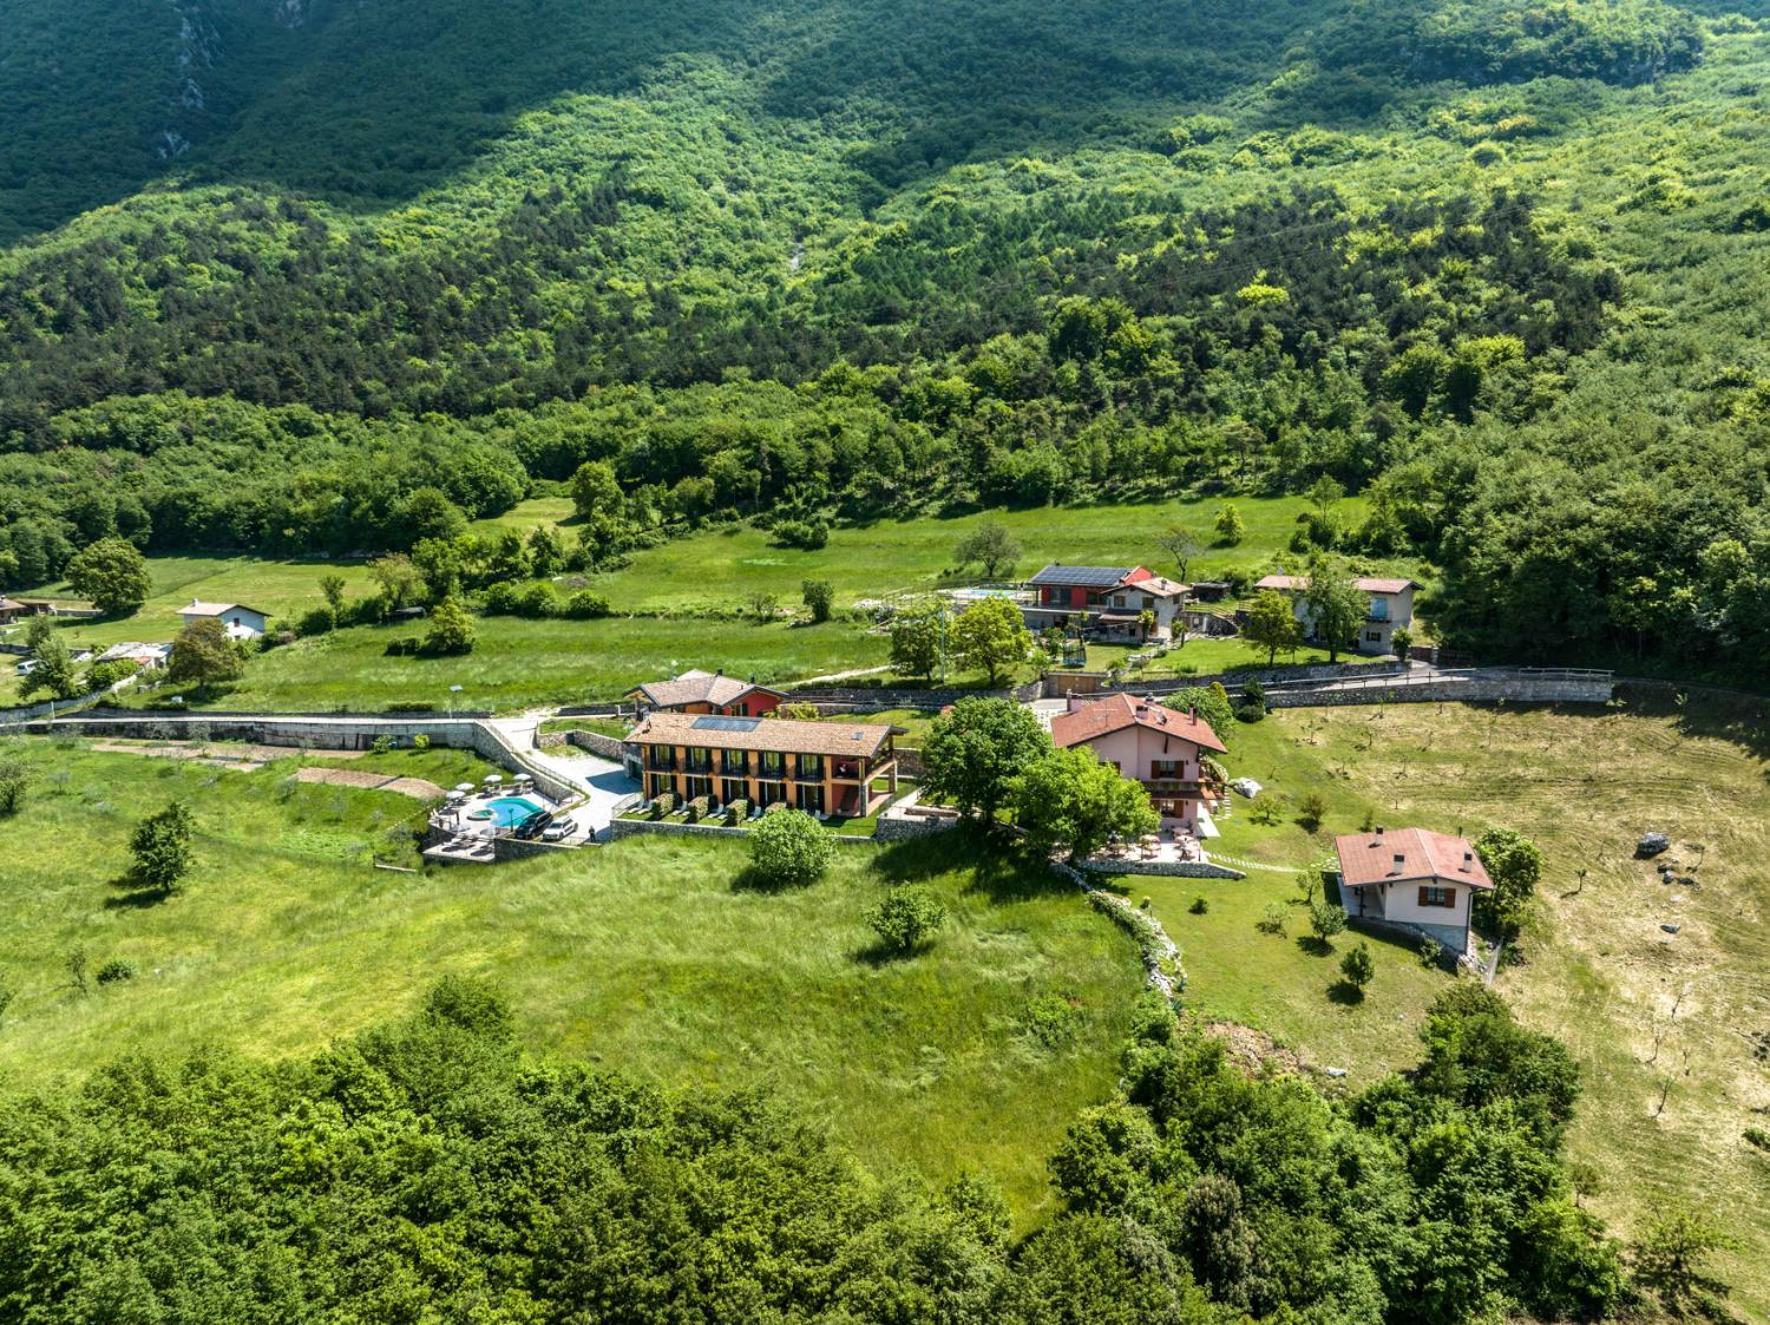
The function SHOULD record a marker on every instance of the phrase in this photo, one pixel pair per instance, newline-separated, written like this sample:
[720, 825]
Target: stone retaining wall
[1476, 688]
[904, 828]
[597, 744]
[515, 848]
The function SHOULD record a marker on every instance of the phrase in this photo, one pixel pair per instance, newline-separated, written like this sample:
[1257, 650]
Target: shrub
[789, 850]
[1199, 906]
[1758, 1137]
[451, 630]
[819, 596]
[663, 805]
[698, 807]
[1357, 966]
[1271, 920]
[104, 675]
[1311, 810]
[778, 807]
[500, 599]
[1431, 952]
[114, 970]
[1326, 920]
[538, 601]
[906, 918]
[381, 745]
[736, 812]
[586, 605]
[808, 535]
[1050, 1021]
[161, 845]
[13, 781]
[421, 741]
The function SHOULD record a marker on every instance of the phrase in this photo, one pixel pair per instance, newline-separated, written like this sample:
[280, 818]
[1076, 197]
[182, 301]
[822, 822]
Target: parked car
[533, 826]
[559, 830]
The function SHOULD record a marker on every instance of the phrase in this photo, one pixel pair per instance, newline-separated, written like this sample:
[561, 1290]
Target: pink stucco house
[1413, 880]
[1159, 747]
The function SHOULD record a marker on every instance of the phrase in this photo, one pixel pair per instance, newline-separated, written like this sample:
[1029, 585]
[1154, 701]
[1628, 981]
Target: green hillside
[1492, 266]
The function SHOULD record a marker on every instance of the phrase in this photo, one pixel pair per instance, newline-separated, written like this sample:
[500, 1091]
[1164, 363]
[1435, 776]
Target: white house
[1391, 607]
[1414, 880]
[240, 621]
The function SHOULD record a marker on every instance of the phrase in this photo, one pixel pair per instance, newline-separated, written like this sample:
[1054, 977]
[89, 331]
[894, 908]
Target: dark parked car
[532, 827]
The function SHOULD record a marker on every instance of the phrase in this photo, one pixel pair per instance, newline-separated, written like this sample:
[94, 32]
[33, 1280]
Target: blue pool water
[508, 811]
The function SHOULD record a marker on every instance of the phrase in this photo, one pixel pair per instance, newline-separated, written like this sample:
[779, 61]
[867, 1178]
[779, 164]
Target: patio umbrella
[456, 795]
[493, 779]
[464, 787]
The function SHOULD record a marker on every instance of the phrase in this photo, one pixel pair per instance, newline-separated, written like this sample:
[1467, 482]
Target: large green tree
[1068, 801]
[1272, 625]
[991, 636]
[1337, 608]
[203, 655]
[113, 574]
[972, 755]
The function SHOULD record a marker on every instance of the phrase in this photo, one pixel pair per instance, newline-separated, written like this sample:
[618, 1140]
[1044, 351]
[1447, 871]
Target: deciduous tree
[972, 755]
[203, 655]
[1272, 625]
[1068, 801]
[113, 574]
[991, 635]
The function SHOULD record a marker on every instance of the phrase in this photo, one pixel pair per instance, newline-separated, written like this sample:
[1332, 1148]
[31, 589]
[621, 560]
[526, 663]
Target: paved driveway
[605, 782]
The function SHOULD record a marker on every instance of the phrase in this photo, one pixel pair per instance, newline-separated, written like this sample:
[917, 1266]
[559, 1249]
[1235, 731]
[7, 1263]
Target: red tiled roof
[774, 735]
[698, 687]
[1105, 716]
[1367, 858]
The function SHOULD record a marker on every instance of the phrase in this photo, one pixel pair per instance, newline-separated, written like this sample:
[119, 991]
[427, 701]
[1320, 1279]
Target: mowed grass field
[1596, 970]
[641, 956]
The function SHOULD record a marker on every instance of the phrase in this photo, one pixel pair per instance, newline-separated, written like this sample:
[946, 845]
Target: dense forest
[428, 1170]
[363, 271]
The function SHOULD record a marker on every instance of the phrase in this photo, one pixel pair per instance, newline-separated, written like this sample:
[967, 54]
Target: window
[1438, 896]
[1374, 636]
[1148, 603]
[811, 799]
[1379, 609]
[732, 790]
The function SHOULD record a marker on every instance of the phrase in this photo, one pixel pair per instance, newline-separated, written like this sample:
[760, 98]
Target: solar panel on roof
[726, 724]
[1088, 577]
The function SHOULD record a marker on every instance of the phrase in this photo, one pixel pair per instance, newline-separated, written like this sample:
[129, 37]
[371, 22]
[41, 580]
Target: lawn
[1284, 984]
[1596, 969]
[640, 956]
[1206, 657]
[518, 663]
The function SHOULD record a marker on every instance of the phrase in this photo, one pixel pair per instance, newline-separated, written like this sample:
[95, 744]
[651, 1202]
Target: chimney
[1468, 861]
[1400, 863]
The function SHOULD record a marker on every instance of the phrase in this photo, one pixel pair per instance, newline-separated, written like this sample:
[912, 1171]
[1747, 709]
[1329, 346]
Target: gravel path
[416, 788]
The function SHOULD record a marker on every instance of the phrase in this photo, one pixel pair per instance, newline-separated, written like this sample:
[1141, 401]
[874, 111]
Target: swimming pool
[508, 811]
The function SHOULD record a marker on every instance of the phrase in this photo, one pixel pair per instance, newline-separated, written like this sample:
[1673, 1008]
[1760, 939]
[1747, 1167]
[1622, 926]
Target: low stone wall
[621, 828]
[903, 829]
[1168, 869]
[37, 712]
[515, 848]
[597, 744]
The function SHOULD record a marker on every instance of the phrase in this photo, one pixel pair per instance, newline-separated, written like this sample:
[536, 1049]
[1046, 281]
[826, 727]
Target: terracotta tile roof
[1364, 583]
[1367, 858]
[698, 687]
[777, 735]
[1162, 587]
[1105, 716]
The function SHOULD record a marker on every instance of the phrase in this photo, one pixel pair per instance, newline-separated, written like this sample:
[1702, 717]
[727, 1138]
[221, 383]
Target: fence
[861, 698]
[1059, 684]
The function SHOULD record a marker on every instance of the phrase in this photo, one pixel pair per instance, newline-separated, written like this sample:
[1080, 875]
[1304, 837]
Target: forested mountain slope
[1493, 262]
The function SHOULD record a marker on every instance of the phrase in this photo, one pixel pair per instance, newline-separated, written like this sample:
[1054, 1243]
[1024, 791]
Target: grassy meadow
[1595, 968]
[664, 601]
[642, 956]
